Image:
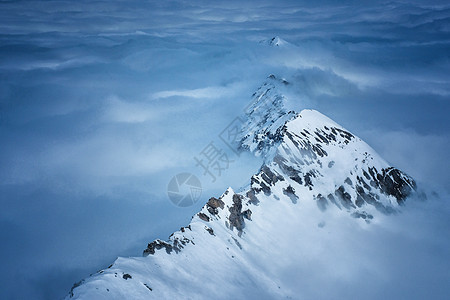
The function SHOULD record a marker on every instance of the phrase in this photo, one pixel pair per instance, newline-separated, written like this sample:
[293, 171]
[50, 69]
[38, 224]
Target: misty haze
[224, 150]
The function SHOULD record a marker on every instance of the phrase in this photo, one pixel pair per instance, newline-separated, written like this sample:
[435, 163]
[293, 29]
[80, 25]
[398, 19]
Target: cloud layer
[101, 103]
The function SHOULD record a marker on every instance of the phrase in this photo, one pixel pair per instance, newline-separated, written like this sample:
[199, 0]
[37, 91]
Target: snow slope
[319, 183]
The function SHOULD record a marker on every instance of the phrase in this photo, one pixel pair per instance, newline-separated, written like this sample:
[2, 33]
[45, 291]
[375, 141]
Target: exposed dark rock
[254, 180]
[373, 184]
[363, 183]
[203, 217]
[331, 198]
[308, 181]
[306, 148]
[255, 184]
[237, 243]
[363, 215]
[321, 138]
[317, 148]
[210, 230]
[247, 214]
[252, 196]
[396, 183]
[373, 173]
[372, 199]
[263, 181]
[348, 181]
[265, 189]
[126, 276]
[362, 197]
[296, 178]
[179, 244]
[183, 229]
[346, 199]
[146, 285]
[212, 211]
[366, 175]
[344, 134]
[288, 170]
[270, 177]
[176, 246]
[290, 192]
[392, 181]
[236, 217]
[213, 204]
[224, 194]
[359, 200]
[157, 245]
[321, 202]
[279, 160]
[75, 285]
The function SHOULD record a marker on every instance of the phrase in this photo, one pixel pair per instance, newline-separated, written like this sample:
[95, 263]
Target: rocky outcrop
[394, 182]
[174, 245]
[236, 217]
[203, 217]
[290, 192]
[157, 245]
[214, 204]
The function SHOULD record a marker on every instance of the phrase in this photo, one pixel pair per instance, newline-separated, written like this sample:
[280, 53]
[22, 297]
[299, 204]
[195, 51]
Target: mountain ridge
[312, 167]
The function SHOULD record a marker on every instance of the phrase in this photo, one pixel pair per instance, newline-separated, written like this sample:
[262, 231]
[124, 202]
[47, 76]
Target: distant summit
[276, 41]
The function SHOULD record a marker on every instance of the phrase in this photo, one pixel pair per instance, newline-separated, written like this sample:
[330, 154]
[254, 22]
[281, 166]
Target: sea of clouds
[102, 102]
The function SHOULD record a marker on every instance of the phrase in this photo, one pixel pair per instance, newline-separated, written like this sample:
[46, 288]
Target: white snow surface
[287, 239]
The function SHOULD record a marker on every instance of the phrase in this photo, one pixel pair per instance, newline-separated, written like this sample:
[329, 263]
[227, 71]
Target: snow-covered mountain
[318, 181]
[276, 41]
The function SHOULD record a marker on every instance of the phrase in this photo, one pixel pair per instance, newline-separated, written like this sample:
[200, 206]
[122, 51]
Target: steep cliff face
[247, 245]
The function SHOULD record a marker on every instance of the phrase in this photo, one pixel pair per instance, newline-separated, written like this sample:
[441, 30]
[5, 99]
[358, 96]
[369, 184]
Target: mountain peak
[275, 41]
[266, 115]
[314, 172]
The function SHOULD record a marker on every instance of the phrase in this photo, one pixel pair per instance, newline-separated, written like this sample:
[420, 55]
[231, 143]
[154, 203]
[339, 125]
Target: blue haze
[102, 102]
